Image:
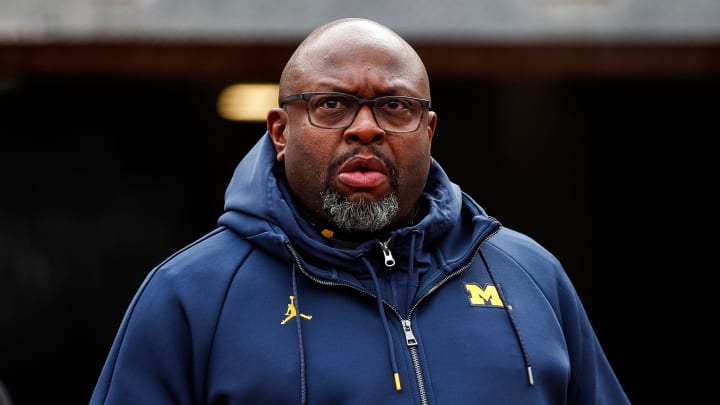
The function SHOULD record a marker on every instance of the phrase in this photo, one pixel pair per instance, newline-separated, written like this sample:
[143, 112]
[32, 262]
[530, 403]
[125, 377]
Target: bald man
[402, 289]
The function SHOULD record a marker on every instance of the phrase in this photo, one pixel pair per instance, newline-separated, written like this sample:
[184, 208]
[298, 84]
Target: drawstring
[301, 347]
[526, 357]
[412, 282]
[381, 310]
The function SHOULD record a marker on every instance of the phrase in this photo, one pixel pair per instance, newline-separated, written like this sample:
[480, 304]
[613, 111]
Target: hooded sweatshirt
[451, 309]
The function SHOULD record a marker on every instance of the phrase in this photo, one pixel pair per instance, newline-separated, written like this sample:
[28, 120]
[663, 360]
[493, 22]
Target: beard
[362, 215]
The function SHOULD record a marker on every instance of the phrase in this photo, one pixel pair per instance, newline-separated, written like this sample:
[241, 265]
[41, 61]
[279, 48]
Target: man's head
[347, 169]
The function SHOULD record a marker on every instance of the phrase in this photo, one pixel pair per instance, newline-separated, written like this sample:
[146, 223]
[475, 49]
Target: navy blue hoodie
[265, 309]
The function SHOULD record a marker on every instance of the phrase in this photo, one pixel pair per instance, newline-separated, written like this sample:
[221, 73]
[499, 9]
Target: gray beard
[359, 216]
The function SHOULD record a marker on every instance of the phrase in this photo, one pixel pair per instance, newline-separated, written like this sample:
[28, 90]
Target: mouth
[364, 164]
[363, 172]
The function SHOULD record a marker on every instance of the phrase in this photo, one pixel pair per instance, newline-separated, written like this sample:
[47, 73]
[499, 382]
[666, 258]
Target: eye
[395, 104]
[332, 102]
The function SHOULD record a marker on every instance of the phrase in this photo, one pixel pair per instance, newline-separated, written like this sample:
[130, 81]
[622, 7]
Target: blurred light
[247, 101]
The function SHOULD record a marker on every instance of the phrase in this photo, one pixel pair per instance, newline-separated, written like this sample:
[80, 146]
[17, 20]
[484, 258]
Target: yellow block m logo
[483, 296]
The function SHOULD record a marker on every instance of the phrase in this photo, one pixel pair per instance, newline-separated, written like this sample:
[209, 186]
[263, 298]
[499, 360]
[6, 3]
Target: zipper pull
[389, 260]
[409, 337]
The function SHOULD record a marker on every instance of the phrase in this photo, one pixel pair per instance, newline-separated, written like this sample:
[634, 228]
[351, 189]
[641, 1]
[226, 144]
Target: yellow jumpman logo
[292, 312]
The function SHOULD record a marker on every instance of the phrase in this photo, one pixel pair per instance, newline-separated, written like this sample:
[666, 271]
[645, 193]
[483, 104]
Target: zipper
[407, 326]
[412, 346]
[387, 254]
[410, 339]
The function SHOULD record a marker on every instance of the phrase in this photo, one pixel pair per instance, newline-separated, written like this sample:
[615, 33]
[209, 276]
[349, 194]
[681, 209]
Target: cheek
[414, 162]
[306, 164]
[303, 155]
[413, 154]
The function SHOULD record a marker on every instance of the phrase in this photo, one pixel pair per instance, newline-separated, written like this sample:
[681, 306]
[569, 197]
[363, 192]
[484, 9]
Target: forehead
[361, 61]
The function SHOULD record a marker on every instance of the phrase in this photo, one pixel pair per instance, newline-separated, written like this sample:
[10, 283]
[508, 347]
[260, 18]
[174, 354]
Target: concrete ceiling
[448, 21]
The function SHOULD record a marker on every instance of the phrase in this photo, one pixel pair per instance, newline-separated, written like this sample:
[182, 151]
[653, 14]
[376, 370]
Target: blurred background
[590, 125]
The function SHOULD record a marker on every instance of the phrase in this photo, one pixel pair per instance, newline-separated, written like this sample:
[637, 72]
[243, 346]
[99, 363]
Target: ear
[276, 124]
[432, 123]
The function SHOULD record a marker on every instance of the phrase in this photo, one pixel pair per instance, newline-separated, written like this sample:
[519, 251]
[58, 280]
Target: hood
[449, 228]
[258, 206]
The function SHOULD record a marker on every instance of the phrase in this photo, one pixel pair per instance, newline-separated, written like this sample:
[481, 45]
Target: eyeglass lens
[392, 113]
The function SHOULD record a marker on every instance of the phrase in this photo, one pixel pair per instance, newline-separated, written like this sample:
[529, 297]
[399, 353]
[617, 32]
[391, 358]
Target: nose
[364, 128]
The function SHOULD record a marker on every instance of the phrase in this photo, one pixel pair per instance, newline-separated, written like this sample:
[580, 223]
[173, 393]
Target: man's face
[362, 171]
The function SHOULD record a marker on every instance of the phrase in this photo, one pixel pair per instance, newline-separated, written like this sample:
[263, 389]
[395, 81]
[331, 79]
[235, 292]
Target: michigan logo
[483, 296]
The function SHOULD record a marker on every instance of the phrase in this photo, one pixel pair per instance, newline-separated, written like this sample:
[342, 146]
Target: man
[348, 269]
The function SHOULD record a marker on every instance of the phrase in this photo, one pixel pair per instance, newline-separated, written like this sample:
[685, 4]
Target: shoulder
[522, 248]
[208, 263]
[192, 284]
[514, 253]
[220, 248]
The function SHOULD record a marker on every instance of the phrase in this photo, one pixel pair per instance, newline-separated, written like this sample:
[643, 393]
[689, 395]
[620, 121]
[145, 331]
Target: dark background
[104, 172]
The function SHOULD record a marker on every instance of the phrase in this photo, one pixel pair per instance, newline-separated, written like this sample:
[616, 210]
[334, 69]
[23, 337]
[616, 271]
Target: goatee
[360, 215]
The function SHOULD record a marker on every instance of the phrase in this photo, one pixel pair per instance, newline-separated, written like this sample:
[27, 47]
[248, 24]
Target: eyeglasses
[333, 110]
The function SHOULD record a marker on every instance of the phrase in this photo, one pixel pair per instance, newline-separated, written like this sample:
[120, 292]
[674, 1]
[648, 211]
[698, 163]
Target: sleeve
[150, 361]
[592, 379]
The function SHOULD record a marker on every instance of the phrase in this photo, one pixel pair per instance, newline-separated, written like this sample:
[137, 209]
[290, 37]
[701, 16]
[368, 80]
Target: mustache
[338, 161]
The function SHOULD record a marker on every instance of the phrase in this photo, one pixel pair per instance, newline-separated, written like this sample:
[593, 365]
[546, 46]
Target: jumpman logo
[292, 312]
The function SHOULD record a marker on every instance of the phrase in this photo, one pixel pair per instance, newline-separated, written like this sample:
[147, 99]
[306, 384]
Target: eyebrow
[392, 90]
[397, 91]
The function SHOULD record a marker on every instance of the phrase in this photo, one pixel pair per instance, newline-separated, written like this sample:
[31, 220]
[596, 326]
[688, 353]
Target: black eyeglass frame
[424, 105]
